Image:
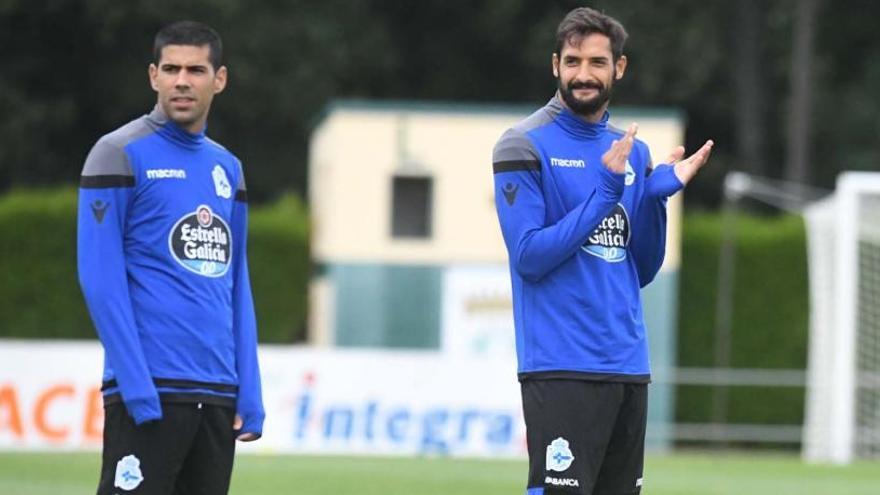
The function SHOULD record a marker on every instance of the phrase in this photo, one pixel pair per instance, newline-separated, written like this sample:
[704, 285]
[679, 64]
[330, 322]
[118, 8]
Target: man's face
[186, 82]
[585, 72]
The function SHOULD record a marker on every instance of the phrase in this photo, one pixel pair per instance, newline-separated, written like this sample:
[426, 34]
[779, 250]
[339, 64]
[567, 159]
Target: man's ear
[620, 67]
[220, 79]
[153, 73]
[555, 63]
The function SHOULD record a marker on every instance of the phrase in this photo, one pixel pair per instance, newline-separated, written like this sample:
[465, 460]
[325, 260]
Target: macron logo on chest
[567, 163]
[166, 173]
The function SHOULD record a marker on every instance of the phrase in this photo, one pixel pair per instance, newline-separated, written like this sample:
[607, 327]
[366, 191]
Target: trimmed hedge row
[39, 291]
[770, 317]
[40, 296]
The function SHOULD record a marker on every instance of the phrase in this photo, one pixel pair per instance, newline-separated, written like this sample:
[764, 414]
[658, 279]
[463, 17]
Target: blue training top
[162, 257]
[581, 242]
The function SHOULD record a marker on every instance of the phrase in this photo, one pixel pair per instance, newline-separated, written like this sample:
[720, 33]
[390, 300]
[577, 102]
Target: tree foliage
[75, 69]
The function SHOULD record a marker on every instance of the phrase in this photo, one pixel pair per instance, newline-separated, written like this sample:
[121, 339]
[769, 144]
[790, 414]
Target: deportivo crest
[559, 456]
[128, 473]
[611, 237]
[221, 183]
[630, 174]
[202, 243]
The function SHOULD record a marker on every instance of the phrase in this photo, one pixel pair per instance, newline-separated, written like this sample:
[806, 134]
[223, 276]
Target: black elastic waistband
[176, 383]
[180, 398]
[584, 375]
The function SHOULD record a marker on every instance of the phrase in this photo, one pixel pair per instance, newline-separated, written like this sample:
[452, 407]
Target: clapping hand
[685, 170]
[615, 158]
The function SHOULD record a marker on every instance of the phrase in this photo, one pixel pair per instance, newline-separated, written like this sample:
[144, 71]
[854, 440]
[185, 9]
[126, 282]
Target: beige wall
[356, 151]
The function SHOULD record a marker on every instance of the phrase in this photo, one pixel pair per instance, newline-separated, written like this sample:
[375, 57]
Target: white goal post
[842, 416]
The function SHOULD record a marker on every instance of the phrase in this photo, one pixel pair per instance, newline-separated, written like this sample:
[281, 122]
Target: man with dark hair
[583, 215]
[189, 33]
[162, 257]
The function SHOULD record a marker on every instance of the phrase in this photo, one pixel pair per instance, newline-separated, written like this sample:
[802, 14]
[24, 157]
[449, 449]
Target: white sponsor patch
[128, 473]
[567, 163]
[201, 242]
[611, 237]
[550, 480]
[166, 173]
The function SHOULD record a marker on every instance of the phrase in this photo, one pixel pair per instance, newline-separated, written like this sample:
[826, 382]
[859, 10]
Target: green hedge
[40, 293]
[278, 257]
[770, 318]
[41, 298]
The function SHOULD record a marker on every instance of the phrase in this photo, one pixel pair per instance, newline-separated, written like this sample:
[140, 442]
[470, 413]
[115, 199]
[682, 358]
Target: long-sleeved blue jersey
[581, 240]
[162, 257]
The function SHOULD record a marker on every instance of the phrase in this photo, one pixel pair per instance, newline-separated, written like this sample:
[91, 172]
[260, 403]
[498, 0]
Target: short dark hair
[189, 33]
[584, 21]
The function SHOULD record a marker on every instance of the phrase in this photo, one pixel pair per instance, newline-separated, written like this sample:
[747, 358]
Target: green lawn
[681, 474]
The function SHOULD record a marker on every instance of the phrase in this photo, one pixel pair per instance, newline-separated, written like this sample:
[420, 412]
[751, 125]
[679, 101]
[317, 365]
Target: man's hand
[685, 170]
[244, 437]
[615, 158]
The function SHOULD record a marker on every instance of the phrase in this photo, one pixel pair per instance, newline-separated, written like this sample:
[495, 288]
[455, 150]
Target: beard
[588, 107]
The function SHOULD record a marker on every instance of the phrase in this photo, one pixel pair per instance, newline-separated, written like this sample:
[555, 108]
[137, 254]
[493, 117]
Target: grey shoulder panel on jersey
[241, 190]
[107, 164]
[541, 117]
[515, 151]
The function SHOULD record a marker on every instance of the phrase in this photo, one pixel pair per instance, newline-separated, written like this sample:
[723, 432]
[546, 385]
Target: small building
[406, 239]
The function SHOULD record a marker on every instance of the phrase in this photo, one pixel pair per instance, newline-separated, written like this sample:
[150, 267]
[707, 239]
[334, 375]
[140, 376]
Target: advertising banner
[477, 317]
[317, 401]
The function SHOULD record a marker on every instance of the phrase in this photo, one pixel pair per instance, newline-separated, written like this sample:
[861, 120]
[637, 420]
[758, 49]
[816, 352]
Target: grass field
[681, 474]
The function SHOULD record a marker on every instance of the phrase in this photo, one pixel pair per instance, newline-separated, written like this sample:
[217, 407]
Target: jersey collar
[577, 126]
[168, 129]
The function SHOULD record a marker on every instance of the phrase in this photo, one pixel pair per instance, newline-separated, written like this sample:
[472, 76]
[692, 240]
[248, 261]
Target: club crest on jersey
[611, 237]
[221, 183]
[202, 243]
[559, 456]
[630, 175]
[128, 473]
